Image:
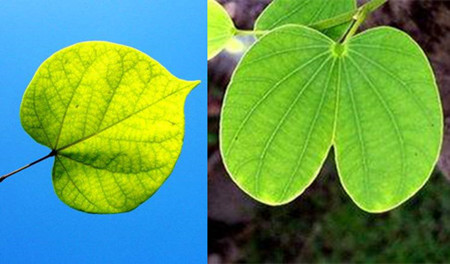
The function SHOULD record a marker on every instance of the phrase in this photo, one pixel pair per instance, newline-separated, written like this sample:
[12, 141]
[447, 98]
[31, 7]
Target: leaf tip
[193, 84]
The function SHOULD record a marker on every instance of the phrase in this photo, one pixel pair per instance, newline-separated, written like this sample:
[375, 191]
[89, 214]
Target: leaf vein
[282, 120]
[308, 137]
[265, 96]
[392, 119]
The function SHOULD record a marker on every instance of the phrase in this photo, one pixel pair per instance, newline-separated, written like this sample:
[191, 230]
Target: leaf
[114, 118]
[220, 28]
[305, 12]
[296, 93]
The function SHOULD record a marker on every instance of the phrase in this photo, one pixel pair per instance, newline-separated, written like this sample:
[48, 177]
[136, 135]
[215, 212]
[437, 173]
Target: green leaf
[305, 12]
[296, 93]
[114, 118]
[220, 28]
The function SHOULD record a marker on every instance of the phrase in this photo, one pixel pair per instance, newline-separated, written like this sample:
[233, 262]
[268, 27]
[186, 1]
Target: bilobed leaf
[305, 12]
[220, 28]
[296, 93]
[114, 118]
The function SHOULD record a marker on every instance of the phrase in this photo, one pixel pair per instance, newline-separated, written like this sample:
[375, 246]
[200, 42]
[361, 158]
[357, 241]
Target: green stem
[359, 19]
[373, 5]
[2, 178]
[347, 16]
[250, 32]
[334, 21]
[358, 15]
[361, 15]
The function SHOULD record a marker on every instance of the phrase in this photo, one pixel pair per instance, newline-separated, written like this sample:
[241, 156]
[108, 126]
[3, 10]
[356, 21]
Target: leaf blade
[124, 116]
[383, 114]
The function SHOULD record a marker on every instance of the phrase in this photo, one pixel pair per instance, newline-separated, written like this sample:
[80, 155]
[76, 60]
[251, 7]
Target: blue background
[35, 226]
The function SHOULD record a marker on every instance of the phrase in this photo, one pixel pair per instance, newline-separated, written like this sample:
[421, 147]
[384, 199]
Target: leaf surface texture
[297, 93]
[114, 117]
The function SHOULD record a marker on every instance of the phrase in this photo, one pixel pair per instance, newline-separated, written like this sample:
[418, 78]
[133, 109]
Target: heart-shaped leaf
[220, 28]
[305, 12]
[296, 93]
[114, 120]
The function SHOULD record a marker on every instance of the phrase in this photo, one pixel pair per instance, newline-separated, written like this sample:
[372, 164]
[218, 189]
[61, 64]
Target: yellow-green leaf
[114, 118]
[220, 28]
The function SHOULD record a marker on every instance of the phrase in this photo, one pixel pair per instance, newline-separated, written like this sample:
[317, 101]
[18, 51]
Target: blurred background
[323, 224]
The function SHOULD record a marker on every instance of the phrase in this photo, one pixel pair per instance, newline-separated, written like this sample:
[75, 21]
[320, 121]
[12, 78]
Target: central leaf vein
[124, 119]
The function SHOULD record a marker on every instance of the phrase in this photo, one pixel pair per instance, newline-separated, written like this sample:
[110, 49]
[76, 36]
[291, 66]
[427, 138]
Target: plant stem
[334, 21]
[347, 16]
[250, 32]
[2, 178]
[358, 15]
[373, 5]
[361, 15]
